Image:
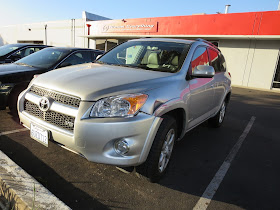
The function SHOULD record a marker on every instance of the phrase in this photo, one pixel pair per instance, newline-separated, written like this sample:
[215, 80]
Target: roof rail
[205, 41]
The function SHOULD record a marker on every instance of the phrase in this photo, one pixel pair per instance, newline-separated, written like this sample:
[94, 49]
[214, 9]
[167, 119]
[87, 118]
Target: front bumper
[94, 138]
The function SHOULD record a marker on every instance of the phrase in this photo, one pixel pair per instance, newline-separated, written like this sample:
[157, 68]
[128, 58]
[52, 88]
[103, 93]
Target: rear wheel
[159, 157]
[218, 119]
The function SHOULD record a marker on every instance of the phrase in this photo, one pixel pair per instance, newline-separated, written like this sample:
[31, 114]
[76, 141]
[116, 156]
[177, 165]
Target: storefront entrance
[107, 44]
[276, 81]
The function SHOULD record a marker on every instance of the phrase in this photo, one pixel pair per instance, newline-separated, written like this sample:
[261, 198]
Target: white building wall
[236, 55]
[251, 63]
[264, 63]
[66, 33]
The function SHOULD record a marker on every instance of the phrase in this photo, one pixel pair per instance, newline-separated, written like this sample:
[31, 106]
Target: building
[250, 41]
[64, 33]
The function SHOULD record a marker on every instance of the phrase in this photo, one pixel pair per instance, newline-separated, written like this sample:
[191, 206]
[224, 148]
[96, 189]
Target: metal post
[227, 8]
[46, 41]
[106, 45]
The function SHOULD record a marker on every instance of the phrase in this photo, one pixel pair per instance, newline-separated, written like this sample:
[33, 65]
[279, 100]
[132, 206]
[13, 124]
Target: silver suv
[131, 105]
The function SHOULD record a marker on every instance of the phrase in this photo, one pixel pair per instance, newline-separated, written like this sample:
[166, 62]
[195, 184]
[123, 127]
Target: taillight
[229, 74]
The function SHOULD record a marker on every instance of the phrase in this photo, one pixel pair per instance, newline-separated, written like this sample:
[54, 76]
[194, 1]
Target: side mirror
[97, 57]
[203, 71]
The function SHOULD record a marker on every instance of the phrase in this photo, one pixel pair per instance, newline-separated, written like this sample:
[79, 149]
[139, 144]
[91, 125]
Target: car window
[200, 57]
[26, 51]
[77, 58]
[215, 61]
[7, 49]
[222, 63]
[148, 55]
[45, 58]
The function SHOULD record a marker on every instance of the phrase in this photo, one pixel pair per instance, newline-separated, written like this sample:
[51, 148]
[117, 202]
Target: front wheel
[159, 157]
[218, 119]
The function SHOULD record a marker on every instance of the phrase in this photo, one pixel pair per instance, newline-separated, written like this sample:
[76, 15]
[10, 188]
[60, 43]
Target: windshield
[7, 49]
[44, 58]
[149, 55]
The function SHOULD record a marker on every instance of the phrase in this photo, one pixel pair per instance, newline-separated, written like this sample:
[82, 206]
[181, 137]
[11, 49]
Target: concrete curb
[260, 89]
[22, 191]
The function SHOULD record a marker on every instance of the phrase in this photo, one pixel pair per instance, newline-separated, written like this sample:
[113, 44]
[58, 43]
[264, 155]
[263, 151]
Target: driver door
[201, 90]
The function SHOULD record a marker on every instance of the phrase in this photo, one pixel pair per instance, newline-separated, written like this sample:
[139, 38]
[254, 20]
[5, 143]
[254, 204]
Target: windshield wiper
[126, 65]
[100, 62]
[24, 64]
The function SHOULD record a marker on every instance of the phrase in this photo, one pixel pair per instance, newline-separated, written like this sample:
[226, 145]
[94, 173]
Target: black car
[16, 76]
[12, 52]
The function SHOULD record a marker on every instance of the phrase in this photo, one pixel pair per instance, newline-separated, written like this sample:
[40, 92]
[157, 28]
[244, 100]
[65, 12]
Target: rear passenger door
[201, 89]
[219, 78]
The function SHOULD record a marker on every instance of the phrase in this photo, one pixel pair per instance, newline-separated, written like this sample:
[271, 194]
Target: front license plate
[39, 134]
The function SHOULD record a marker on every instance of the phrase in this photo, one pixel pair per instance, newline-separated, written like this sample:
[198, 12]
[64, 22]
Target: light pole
[46, 41]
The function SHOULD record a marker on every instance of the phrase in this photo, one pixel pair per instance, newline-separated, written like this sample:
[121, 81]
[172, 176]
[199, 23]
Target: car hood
[94, 81]
[12, 68]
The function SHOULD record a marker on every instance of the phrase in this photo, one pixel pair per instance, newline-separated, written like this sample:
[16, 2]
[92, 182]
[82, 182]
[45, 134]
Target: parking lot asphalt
[251, 182]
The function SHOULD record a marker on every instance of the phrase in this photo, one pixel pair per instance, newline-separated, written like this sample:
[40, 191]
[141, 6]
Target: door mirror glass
[203, 71]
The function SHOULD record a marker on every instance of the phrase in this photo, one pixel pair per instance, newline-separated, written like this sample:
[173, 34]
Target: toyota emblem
[44, 104]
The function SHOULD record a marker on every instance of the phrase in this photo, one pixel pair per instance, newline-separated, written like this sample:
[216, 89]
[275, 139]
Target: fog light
[121, 147]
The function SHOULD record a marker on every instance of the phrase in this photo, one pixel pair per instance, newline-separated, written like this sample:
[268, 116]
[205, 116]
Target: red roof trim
[251, 23]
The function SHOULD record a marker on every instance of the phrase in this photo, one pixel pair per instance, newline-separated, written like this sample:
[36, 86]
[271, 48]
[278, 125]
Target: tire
[218, 119]
[13, 99]
[159, 156]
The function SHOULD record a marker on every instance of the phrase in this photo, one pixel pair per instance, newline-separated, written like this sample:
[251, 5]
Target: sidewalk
[22, 191]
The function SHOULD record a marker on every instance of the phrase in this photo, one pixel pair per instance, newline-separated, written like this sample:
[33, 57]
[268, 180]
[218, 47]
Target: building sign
[128, 26]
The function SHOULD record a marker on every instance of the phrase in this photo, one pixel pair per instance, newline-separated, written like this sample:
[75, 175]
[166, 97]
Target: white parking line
[13, 131]
[210, 191]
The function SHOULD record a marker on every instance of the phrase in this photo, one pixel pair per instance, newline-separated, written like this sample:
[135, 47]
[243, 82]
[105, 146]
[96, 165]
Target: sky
[31, 11]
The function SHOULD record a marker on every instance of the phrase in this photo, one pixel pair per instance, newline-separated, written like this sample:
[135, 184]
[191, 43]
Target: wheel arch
[179, 114]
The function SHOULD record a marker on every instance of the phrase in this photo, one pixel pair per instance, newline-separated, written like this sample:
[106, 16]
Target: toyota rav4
[131, 105]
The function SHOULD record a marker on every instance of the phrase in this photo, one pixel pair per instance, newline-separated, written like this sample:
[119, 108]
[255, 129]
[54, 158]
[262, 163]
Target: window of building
[31, 41]
[106, 44]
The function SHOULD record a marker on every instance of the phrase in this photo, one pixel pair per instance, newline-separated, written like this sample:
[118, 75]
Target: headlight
[119, 106]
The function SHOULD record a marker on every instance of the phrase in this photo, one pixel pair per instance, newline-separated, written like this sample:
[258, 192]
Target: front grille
[60, 120]
[59, 97]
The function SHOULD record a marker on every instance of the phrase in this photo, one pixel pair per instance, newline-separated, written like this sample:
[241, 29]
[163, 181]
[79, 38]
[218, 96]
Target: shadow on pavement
[251, 181]
[64, 190]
